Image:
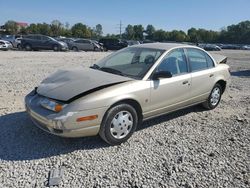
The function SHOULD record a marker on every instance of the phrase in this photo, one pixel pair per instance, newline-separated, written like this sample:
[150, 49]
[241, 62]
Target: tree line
[234, 34]
[55, 28]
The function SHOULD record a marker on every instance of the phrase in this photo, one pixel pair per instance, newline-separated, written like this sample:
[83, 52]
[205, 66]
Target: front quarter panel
[137, 90]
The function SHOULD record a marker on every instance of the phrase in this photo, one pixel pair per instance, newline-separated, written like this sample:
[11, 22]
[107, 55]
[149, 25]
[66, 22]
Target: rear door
[203, 74]
[81, 44]
[168, 94]
[88, 45]
[45, 43]
[36, 41]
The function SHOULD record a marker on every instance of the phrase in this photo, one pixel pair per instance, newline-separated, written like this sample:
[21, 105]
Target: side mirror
[161, 74]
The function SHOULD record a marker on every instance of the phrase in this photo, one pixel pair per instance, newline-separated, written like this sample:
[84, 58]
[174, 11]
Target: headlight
[52, 105]
[62, 43]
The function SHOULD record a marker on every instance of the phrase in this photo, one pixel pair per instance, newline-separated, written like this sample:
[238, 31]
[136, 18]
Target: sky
[163, 14]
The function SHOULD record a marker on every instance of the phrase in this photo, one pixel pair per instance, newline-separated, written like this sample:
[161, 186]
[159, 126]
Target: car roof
[162, 46]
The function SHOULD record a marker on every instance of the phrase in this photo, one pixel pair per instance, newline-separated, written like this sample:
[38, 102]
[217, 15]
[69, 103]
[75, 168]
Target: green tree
[192, 33]
[160, 35]
[43, 29]
[150, 30]
[32, 28]
[98, 30]
[80, 30]
[11, 27]
[56, 28]
[129, 32]
[138, 32]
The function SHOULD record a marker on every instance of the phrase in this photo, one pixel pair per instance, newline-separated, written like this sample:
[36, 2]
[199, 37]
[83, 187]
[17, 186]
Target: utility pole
[120, 29]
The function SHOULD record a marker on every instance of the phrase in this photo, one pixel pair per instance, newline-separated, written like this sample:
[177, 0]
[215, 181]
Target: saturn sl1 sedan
[113, 96]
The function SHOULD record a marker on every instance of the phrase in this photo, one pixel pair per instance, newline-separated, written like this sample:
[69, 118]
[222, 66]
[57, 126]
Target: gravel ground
[188, 148]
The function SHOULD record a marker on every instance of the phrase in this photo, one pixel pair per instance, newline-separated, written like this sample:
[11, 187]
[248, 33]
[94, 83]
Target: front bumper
[6, 47]
[64, 48]
[48, 120]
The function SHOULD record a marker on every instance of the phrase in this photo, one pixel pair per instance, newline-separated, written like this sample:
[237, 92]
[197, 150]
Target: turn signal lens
[87, 118]
[58, 107]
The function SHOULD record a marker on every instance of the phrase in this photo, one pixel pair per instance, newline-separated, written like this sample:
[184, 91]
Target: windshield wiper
[111, 70]
[95, 66]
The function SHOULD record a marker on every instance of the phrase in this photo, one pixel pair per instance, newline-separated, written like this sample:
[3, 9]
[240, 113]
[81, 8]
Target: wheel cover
[121, 125]
[215, 96]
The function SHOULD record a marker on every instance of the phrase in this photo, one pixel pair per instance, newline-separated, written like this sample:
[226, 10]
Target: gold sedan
[113, 96]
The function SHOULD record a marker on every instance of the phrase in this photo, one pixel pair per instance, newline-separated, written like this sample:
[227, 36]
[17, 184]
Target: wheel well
[134, 104]
[222, 84]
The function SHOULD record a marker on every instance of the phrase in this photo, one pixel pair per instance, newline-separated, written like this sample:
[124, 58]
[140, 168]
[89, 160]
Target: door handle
[211, 75]
[185, 82]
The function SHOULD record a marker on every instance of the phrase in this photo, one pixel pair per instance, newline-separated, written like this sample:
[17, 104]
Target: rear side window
[78, 41]
[198, 60]
[85, 42]
[210, 62]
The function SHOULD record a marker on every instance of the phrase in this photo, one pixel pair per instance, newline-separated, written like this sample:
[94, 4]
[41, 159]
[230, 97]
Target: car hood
[64, 85]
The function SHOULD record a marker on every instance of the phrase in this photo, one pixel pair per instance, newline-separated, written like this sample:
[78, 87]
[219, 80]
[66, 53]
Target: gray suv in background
[85, 44]
[42, 42]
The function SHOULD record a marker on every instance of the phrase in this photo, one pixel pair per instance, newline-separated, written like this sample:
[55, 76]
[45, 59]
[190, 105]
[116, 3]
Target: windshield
[131, 62]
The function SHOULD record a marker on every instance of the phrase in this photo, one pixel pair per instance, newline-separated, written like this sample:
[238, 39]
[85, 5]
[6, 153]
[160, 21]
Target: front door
[168, 94]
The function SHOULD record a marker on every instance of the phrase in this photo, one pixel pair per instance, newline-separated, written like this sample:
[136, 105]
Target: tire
[56, 48]
[19, 47]
[96, 49]
[75, 49]
[118, 124]
[214, 98]
[27, 47]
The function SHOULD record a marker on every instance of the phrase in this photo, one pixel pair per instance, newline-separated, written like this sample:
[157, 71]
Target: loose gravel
[188, 148]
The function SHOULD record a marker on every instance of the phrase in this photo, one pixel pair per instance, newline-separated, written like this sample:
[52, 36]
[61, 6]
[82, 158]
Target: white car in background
[5, 45]
[246, 47]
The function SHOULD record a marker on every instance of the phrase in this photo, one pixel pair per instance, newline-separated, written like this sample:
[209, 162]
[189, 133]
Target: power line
[120, 27]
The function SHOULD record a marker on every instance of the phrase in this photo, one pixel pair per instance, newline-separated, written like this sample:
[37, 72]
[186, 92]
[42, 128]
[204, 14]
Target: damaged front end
[63, 123]
[55, 105]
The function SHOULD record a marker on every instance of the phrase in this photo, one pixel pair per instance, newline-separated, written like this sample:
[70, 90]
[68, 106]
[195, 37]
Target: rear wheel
[27, 47]
[74, 48]
[214, 97]
[118, 124]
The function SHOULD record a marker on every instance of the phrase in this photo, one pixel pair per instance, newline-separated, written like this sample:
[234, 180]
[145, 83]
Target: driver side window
[174, 62]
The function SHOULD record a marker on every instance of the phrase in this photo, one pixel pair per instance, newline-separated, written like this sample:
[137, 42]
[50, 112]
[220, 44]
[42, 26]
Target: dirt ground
[189, 148]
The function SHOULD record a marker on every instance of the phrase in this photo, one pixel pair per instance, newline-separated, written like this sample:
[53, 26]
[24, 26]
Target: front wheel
[75, 49]
[56, 48]
[214, 98]
[118, 124]
[96, 49]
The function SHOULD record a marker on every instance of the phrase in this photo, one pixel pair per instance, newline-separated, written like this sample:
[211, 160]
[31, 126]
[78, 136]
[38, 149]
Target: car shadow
[170, 116]
[21, 140]
[241, 73]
